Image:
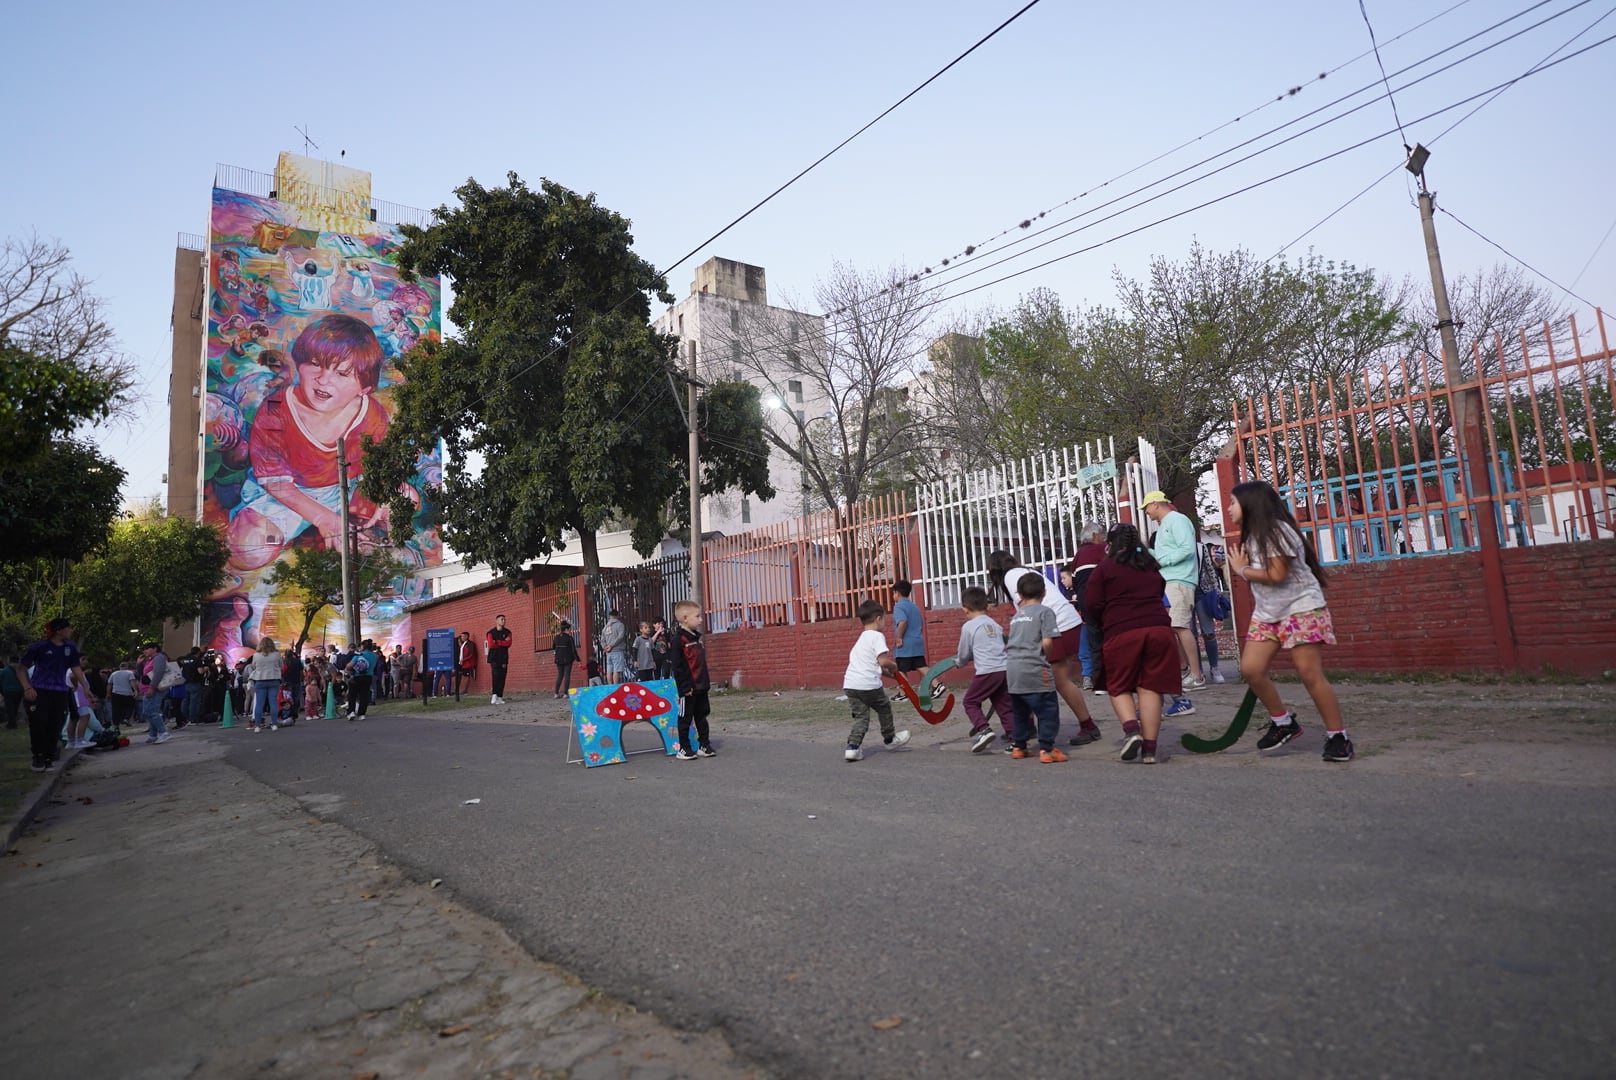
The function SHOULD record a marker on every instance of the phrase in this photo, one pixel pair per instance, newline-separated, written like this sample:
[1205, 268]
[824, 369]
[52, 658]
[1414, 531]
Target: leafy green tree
[60, 504]
[312, 577]
[151, 570]
[557, 386]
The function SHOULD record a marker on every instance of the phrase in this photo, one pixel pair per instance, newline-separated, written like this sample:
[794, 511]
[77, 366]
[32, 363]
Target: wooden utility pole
[1469, 413]
[350, 609]
[692, 421]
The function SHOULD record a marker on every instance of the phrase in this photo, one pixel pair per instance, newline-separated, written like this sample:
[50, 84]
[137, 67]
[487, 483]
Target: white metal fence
[1033, 508]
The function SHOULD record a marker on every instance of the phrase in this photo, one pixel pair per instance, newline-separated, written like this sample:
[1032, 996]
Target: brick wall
[525, 616]
[1429, 613]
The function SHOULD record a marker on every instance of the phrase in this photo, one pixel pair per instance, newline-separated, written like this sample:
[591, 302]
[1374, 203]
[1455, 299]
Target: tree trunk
[308, 621]
[587, 541]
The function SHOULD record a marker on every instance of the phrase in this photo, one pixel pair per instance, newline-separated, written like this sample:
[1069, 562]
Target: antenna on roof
[307, 142]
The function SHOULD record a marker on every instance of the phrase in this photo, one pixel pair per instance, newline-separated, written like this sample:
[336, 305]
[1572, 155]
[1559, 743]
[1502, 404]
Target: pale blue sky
[681, 116]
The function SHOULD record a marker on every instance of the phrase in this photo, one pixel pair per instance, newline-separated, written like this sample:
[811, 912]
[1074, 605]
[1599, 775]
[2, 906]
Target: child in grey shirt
[1028, 676]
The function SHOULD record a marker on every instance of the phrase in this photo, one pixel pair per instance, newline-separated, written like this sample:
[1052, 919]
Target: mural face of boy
[330, 390]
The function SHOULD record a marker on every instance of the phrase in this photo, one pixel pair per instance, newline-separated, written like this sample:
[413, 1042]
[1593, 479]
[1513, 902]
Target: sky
[680, 117]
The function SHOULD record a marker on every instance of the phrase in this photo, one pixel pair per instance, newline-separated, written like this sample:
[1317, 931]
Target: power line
[1375, 183]
[1375, 45]
[1026, 223]
[1291, 92]
[1597, 248]
[827, 154]
[1489, 240]
[1277, 176]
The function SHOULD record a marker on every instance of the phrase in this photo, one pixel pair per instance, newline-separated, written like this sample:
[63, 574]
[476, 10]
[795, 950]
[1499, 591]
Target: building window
[795, 386]
[746, 511]
[734, 318]
[793, 360]
[1534, 506]
[735, 352]
[794, 333]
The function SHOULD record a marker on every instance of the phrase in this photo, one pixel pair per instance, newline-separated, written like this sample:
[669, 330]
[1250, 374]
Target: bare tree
[63, 363]
[1498, 301]
[960, 401]
[855, 433]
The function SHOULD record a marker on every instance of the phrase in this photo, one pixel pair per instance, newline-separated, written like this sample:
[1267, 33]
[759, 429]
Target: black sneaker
[1084, 737]
[1132, 747]
[981, 740]
[706, 751]
[1277, 736]
[1338, 747]
[685, 755]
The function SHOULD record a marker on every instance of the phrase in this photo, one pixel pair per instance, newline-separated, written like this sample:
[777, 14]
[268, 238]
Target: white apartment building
[728, 323]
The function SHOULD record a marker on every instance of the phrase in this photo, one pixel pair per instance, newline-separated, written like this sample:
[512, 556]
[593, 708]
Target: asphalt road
[1089, 919]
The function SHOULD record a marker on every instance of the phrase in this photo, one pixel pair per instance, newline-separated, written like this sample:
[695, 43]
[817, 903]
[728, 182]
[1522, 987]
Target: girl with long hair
[1138, 650]
[1287, 586]
[1004, 570]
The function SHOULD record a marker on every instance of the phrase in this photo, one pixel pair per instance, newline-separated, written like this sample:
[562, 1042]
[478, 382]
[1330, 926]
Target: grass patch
[17, 777]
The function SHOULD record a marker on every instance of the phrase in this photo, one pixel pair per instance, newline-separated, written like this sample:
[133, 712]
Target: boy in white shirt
[982, 643]
[869, 660]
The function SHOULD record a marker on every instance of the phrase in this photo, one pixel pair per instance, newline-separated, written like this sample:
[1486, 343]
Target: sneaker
[1217, 677]
[1147, 759]
[853, 754]
[274, 727]
[163, 738]
[1277, 736]
[1052, 756]
[1132, 746]
[1020, 752]
[685, 755]
[1098, 692]
[1008, 749]
[1088, 682]
[983, 740]
[41, 766]
[1083, 738]
[1338, 747]
[900, 739]
[1181, 706]
[1195, 683]
[702, 751]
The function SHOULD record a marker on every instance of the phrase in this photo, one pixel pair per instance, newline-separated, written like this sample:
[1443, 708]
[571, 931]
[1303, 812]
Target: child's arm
[888, 666]
[1276, 571]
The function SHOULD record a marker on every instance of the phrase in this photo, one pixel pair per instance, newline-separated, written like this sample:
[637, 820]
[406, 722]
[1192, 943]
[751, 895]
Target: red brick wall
[474, 610]
[1429, 613]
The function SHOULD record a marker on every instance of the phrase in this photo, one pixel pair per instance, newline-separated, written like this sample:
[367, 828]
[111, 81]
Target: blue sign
[440, 649]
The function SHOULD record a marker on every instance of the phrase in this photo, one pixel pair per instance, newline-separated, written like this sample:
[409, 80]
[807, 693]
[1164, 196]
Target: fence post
[1240, 601]
[911, 532]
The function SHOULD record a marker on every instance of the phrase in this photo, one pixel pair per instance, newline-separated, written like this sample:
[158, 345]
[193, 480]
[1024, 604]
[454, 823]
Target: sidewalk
[170, 917]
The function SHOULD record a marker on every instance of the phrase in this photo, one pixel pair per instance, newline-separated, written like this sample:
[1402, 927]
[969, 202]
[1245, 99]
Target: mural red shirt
[282, 450]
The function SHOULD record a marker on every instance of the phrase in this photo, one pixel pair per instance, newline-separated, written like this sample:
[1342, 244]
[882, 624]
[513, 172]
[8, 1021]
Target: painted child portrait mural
[307, 317]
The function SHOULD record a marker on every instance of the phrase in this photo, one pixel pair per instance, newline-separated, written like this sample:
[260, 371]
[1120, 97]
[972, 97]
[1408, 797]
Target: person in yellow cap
[1177, 550]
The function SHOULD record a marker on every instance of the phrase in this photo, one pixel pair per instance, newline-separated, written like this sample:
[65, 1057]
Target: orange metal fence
[1374, 466]
[818, 566]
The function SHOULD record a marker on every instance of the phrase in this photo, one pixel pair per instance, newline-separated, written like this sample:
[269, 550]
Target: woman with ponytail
[1138, 652]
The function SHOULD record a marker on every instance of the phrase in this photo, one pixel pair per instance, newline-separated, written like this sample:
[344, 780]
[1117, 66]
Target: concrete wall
[185, 390]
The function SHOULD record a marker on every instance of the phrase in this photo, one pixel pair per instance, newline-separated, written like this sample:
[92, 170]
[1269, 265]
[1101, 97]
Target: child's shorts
[1304, 628]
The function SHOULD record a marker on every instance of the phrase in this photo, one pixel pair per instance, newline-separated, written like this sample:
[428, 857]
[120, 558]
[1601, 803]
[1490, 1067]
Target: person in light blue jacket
[1177, 551]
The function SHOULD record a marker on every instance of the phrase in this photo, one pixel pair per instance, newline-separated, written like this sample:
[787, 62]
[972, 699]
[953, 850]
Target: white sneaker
[494, 700]
[1217, 677]
[854, 754]
[274, 727]
[1195, 682]
[900, 739]
[163, 738]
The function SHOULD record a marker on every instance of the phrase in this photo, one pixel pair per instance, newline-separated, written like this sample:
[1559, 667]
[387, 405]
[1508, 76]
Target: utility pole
[350, 610]
[1469, 411]
[696, 591]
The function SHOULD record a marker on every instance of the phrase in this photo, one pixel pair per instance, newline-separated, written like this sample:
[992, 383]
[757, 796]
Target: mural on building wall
[307, 317]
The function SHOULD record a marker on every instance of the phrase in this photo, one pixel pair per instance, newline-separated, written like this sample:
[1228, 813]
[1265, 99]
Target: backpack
[105, 740]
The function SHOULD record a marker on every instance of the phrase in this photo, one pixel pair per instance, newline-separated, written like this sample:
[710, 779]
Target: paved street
[935, 913]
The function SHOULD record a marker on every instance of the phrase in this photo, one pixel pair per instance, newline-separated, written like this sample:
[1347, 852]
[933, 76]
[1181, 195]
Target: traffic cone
[330, 701]
[229, 718]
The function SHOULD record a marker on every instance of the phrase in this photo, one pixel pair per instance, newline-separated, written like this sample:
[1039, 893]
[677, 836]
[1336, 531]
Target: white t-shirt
[1066, 616]
[122, 683]
[1299, 592]
[863, 667]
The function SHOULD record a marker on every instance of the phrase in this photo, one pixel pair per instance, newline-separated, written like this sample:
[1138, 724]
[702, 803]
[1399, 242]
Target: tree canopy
[313, 578]
[553, 405]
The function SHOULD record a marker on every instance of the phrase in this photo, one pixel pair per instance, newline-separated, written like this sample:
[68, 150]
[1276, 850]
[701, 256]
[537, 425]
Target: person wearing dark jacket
[1138, 651]
[566, 654]
[690, 673]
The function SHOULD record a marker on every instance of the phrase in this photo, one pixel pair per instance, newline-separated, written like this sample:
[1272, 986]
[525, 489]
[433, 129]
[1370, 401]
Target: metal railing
[262, 185]
[1374, 467]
